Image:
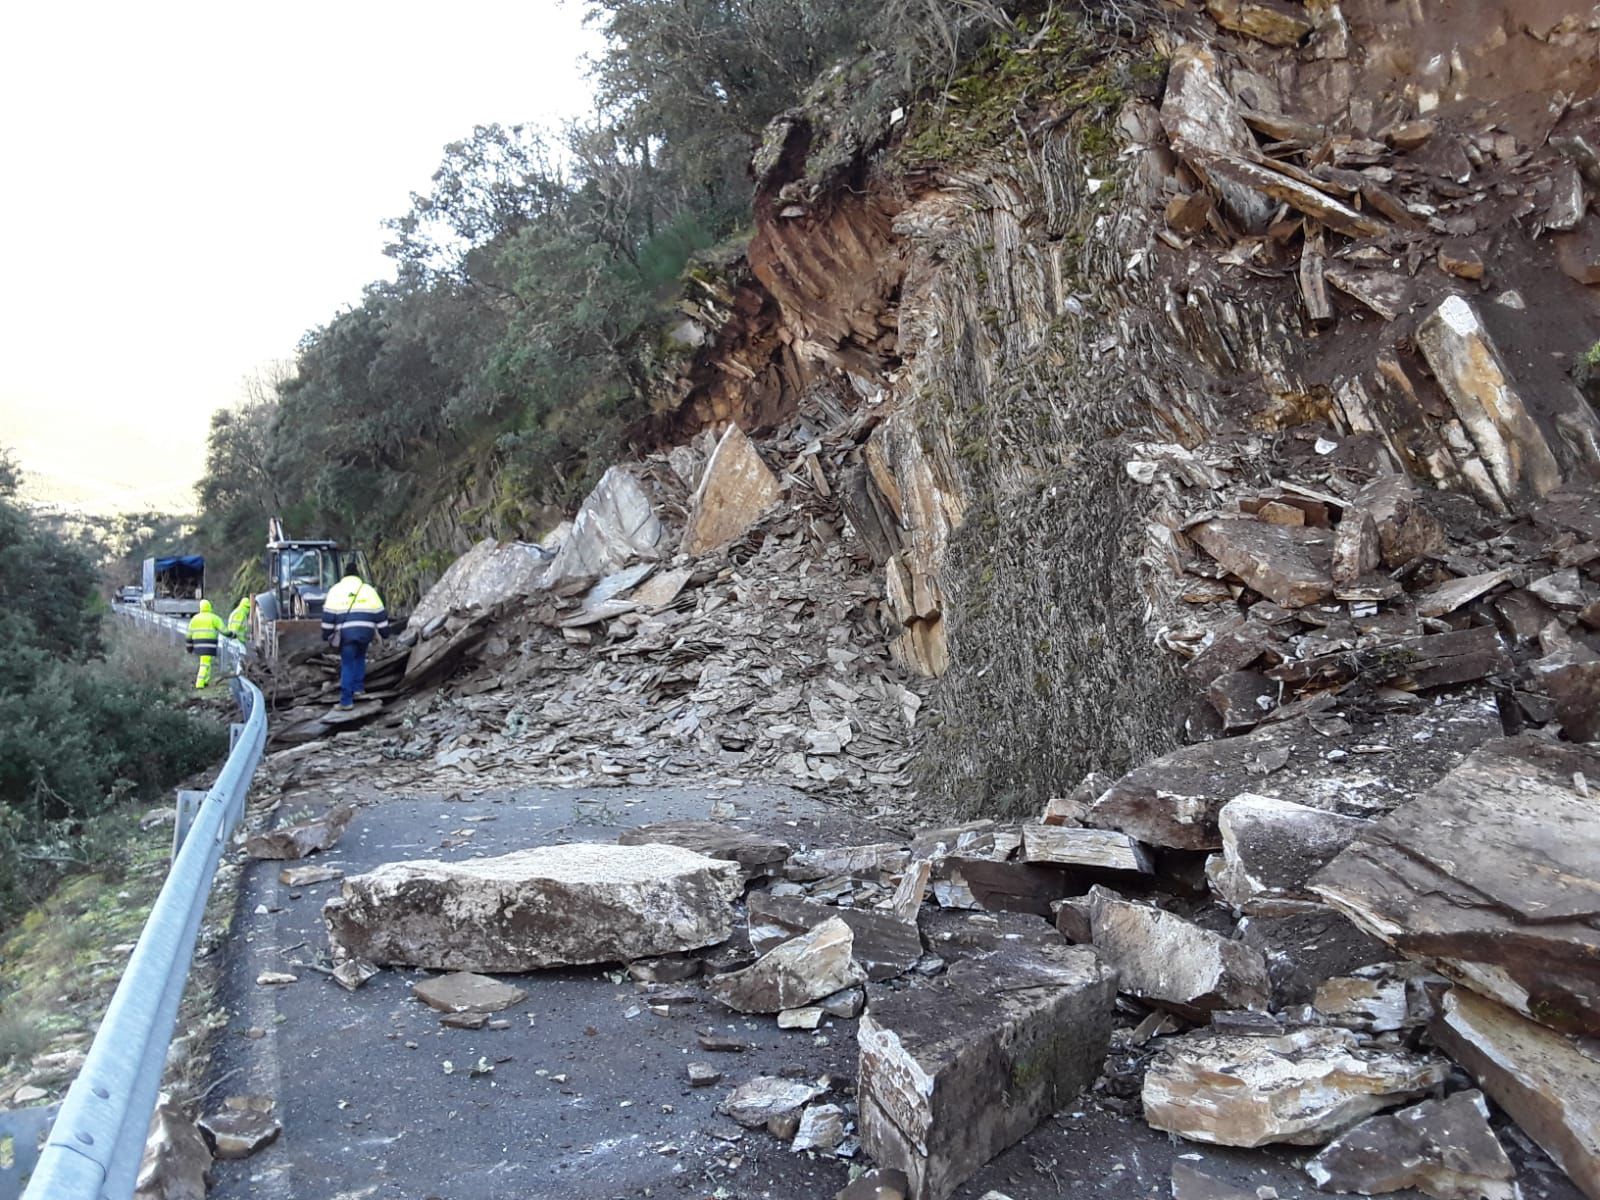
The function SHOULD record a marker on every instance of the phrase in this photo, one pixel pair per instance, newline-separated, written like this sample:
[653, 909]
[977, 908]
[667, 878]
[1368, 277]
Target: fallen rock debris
[1444, 1148]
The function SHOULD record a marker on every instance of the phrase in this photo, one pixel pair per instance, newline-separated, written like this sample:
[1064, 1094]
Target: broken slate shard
[1443, 1148]
[821, 1129]
[176, 1157]
[759, 856]
[1172, 962]
[1494, 873]
[735, 489]
[464, 992]
[243, 1125]
[1270, 850]
[1060, 845]
[1548, 1084]
[818, 963]
[1302, 1087]
[766, 1098]
[952, 1074]
[545, 907]
[882, 944]
[297, 841]
[1289, 564]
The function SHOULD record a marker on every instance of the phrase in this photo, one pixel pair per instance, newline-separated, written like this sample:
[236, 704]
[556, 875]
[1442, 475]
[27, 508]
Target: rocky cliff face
[1355, 224]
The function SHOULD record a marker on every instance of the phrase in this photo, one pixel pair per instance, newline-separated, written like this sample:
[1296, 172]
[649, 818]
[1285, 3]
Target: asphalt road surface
[587, 1096]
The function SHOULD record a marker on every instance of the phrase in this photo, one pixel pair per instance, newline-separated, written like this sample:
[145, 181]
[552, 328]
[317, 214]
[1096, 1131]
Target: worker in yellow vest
[205, 634]
[352, 615]
[239, 619]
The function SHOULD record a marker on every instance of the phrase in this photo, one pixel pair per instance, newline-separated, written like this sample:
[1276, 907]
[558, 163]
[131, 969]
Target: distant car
[130, 594]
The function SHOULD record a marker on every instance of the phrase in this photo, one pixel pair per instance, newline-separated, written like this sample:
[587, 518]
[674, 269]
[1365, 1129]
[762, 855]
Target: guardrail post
[189, 803]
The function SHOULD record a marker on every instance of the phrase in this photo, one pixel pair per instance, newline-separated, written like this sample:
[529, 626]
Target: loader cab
[301, 573]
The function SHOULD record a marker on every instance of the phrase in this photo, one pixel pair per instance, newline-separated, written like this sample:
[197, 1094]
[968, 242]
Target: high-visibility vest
[239, 618]
[355, 610]
[205, 631]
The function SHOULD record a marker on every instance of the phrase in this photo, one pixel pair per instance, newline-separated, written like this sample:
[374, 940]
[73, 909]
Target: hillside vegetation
[526, 335]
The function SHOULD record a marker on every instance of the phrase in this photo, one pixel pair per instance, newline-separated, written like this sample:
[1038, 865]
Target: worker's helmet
[205, 606]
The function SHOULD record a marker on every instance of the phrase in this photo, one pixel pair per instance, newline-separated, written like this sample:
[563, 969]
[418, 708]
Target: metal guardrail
[95, 1146]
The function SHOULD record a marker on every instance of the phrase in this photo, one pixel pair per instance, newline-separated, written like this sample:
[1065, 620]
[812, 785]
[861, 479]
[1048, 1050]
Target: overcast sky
[190, 187]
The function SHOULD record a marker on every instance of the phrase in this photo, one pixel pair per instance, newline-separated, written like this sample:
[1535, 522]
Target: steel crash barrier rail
[94, 1148]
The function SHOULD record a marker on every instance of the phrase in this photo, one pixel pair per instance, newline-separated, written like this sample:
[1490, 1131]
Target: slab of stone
[616, 525]
[1548, 1084]
[242, 1126]
[845, 1005]
[859, 862]
[1444, 598]
[544, 907]
[911, 891]
[1302, 1087]
[1571, 678]
[953, 1073]
[766, 1098]
[1494, 873]
[1562, 590]
[1242, 699]
[736, 489]
[881, 944]
[306, 876]
[464, 992]
[1443, 1148]
[970, 837]
[1356, 550]
[801, 970]
[809, 1017]
[821, 1130]
[297, 841]
[1291, 565]
[1063, 846]
[1202, 119]
[1002, 886]
[758, 854]
[1480, 387]
[1270, 850]
[1387, 293]
[1306, 947]
[1275, 24]
[1377, 1000]
[1171, 962]
[1297, 194]
[176, 1157]
[352, 973]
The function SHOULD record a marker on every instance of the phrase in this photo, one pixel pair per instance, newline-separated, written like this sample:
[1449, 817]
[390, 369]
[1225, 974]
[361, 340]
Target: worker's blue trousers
[352, 667]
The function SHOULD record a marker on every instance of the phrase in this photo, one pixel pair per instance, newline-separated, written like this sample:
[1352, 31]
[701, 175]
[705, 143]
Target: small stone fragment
[703, 1075]
[275, 978]
[353, 972]
[821, 1129]
[809, 1017]
[242, 1126]
[297, 841]
[306, 876]
[720, 1043]
[804, 969]
[766, 1097]
[845, 1005]
[462, 991]
[1444, 1148]
[176, 1157]
[464, 1020]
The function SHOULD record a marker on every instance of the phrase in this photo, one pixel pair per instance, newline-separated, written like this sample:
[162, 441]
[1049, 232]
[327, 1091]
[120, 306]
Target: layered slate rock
[1494, 872]
[545, 907]
[1171, 962]
[816, 964]
[1302, 1087]
[1443, 1148]
[616, 525]
[861, 862]
[953, 1074]
[1270, 850]
[1063, 846]
[881, 943]
[735, 489]
[1549, 1084]
[1474, 376]
[464, 992]
[758, 854]
[1289, 564]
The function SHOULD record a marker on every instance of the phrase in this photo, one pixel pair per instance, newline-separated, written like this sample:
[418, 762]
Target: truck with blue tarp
[174, 584]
